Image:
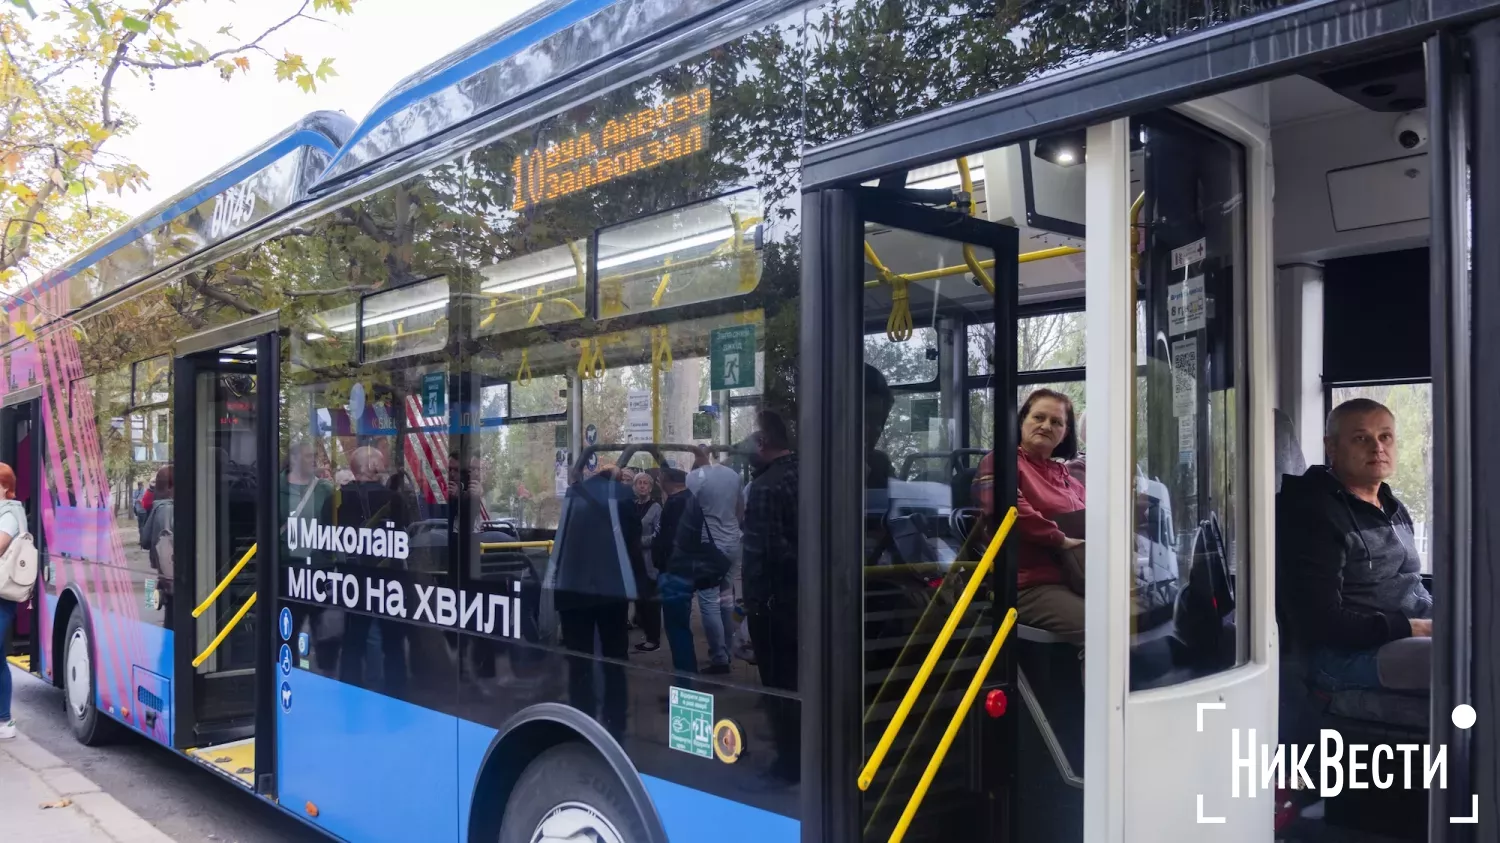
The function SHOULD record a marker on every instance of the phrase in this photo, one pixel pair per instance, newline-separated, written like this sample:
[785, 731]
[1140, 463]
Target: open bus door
[20, 448]
[916, 694]
[225, 547]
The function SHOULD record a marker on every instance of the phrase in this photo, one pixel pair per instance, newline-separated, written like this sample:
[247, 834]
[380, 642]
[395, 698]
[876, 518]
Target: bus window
[645, 341]
[1190, 506]
[1411, 403]
[1049, 355]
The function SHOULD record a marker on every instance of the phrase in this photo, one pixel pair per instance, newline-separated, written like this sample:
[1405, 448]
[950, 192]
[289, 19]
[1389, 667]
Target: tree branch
[336, 291]
[212, 57]
[9, 259]
[208, 291]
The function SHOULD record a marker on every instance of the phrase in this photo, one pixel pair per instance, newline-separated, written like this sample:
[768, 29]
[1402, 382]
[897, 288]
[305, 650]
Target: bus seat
[1037, 635]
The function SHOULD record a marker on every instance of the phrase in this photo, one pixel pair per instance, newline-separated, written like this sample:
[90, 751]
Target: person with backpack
[15, 583]
[157, 539]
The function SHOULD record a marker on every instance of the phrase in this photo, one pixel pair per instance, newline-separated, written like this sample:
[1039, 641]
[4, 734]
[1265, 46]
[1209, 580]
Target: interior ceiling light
[708, 238]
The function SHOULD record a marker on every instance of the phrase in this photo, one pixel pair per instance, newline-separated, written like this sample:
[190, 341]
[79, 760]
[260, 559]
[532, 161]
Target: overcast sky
[192, 122]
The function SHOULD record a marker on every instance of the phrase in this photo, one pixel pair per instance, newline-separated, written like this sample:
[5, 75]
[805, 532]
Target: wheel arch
[68, 600]
[529, 733]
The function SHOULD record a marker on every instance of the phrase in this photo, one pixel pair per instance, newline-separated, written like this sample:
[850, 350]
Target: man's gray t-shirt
[717, 488]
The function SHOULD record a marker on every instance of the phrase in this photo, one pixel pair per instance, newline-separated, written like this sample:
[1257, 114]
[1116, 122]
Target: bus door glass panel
[226, 485]
[1188, 198]
[924, 529]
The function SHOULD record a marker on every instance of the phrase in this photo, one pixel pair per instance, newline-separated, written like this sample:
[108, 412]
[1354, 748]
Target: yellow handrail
[486, 547]
[224, 583]
[969, 259]
[867, 775]
[224, 633]
[953, 725]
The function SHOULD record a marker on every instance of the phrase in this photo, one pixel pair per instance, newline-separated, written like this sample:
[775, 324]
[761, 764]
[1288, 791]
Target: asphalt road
[184, 800]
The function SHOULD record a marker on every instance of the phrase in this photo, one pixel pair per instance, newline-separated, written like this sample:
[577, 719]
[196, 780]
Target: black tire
[570, 777]
[89, 726]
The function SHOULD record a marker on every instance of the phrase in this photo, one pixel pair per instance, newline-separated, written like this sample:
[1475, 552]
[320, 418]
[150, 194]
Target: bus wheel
[89, 726]
[569, 795]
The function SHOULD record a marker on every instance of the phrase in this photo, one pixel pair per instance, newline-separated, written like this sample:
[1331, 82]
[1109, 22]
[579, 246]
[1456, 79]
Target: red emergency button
[995, 703]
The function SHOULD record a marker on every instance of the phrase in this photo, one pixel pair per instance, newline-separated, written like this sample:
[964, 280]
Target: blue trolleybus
[610, 437]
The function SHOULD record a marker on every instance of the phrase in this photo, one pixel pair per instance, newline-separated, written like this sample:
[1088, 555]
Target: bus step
[220, 732]
[234, 760]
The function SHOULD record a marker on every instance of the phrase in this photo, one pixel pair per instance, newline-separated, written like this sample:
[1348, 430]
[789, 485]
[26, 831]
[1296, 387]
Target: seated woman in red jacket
[1050, 562]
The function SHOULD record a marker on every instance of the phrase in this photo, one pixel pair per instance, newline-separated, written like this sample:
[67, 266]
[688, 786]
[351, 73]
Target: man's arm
[1311, 556]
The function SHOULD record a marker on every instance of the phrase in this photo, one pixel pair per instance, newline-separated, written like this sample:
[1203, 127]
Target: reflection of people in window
[156, 538]
[303, 494]
[674, 584]
[366, 502]
[599, 561]
[1050, 571]
[647, 609]
[771, 581]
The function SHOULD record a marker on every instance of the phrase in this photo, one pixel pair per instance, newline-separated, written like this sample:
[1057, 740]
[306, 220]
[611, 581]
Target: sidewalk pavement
[43, 800]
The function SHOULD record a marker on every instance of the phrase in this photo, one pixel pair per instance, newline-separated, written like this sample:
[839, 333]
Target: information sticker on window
[691, 722]
[1185, 378]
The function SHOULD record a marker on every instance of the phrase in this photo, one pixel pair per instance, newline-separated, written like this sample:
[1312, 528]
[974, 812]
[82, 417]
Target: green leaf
[325, 68]
[135, 24]
[75, 188]
[25, 4]
[98, 15]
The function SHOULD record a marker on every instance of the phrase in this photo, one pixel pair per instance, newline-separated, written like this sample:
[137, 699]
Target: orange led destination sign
[626, 145]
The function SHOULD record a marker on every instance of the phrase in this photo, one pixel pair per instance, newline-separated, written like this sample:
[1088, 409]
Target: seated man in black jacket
[1349, 577]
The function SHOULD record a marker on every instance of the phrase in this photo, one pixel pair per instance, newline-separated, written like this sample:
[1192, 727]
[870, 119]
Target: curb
[112, 818]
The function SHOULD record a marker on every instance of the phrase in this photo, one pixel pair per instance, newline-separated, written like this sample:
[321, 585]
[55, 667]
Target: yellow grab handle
[224, 583]
[224, 633]
[523, 374]
[953, 726]
[486, 547]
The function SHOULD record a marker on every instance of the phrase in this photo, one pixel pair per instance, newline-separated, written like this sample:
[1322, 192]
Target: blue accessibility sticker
[285, 660]
[286, 624]
[286, 696]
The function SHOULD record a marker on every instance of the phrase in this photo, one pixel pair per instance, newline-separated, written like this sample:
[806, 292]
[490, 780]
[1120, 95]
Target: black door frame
[185, 442]
[831, 440]
[28, 410]
[1467, 625]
